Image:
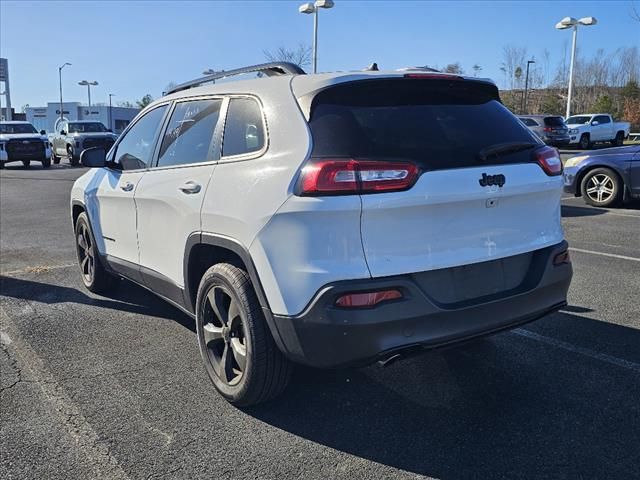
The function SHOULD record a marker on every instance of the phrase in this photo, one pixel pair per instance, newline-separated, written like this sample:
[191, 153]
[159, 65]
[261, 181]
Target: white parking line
[619, 362]
[612, 255]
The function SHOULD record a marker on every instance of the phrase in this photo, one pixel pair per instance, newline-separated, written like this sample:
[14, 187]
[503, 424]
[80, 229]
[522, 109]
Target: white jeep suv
[330, 220]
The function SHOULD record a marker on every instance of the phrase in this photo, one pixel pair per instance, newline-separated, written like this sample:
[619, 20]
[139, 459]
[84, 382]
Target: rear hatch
[477, 193]
[555, 126]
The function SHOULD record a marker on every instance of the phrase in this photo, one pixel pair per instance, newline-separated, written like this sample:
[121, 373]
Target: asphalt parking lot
[97, 387]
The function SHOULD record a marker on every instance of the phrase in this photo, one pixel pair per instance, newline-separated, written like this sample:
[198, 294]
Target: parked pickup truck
[72, 138]
[21, 142]
[590, 128]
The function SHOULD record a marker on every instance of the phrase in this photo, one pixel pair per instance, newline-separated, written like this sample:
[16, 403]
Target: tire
[601, 187]
[619, 140]
[73, 160]
[1, 165]
[585, 141]
[26, 163]
[94, 276]
[46, 163]
[256, 371]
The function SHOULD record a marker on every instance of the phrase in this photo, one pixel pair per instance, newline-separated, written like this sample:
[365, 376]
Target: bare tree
[454, 68]
[476, 69]
[634, 11]
[300, 56]
[514, 58]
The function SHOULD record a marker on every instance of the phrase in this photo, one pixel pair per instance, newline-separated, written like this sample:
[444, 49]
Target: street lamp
[314, 8]
[564, 24]
[110, 117]
[526, 86]
[60, 79]
[88, 84]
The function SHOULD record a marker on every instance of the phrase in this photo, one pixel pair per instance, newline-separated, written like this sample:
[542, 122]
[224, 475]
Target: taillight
[349, 176]
[547, 129]
[549, 159]
[367, 299]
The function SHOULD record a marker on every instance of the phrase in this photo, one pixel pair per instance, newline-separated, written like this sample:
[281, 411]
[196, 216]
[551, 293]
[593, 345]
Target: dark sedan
[604, 177]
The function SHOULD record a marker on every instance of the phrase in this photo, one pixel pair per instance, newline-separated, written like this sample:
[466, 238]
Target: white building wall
[45, 118]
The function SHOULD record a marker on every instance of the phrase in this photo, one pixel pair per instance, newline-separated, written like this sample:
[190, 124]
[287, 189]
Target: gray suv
[550, 128]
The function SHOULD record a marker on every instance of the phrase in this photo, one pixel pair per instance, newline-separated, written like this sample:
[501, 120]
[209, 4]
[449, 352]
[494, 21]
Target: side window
[529, 122]
[189, 133]
[244, 128]
[602, 119]
[136, 147]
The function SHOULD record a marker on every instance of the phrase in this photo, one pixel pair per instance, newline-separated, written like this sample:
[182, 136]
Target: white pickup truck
[590, 128]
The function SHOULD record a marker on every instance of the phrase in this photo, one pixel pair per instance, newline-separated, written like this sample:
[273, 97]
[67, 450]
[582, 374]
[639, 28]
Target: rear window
[438, 124]
[529, 122]
[553, 121]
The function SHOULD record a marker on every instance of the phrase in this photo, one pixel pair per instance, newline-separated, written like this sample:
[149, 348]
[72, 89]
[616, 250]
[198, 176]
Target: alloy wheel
[600, 188]
[224, 335]
[86, 255]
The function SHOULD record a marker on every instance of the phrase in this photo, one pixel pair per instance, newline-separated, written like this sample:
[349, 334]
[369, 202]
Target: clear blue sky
[133, 48]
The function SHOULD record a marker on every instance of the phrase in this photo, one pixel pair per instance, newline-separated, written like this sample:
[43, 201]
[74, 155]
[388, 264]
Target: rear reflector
[562, 258]
[367, 299]
[549, 160]
[340, 177]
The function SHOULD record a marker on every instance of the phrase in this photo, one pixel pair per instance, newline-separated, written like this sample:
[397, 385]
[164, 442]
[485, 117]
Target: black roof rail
[269, 69]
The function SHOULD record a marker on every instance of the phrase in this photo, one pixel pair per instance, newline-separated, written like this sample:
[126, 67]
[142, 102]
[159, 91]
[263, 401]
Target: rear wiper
[502, 148]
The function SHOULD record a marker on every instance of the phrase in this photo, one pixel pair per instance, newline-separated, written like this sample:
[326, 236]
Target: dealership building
[46, 118]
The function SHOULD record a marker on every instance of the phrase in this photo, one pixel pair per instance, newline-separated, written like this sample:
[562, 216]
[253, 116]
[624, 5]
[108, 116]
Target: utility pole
[60, 80]
[526, 86]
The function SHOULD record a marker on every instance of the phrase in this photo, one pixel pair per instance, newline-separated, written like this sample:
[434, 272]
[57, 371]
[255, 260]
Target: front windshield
[579, 120]
[17, 128]
[86, 127]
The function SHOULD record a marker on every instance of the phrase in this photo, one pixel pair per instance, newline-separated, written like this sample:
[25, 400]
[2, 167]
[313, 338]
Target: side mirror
[94, 157]
[42, 132]
[595, 122]
[109, 130]
[63, 132]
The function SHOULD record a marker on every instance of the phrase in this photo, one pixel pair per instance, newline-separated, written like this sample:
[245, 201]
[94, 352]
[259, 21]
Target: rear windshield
[438, 124]
[578, 120]
[17, 128]
[553, 121]
[86, 127]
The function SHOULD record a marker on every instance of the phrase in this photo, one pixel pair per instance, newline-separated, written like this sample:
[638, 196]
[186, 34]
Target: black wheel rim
[224, 336]
[86, 256]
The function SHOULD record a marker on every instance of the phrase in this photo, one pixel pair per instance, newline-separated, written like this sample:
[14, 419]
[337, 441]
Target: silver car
[550, 128]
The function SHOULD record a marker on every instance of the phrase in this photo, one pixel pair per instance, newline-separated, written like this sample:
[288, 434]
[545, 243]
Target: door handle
[190, 187]
[127, 186]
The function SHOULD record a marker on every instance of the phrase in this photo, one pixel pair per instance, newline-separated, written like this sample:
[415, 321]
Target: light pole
[110, 117]
[314, 8]
[564, 24]
[60, 80]
[88, 84]
[526, 86]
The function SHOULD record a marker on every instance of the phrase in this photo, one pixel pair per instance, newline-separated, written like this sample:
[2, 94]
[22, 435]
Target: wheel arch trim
[236, 247]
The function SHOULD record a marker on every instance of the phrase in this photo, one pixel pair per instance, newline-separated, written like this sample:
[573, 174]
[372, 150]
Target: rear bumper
[557, 141]
[327, 336]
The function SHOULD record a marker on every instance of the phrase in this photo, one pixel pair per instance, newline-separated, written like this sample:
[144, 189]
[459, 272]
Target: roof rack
[269, 69]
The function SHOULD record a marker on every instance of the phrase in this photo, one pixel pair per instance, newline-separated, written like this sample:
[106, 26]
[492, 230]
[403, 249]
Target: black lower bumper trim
[327, 336]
